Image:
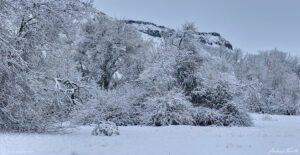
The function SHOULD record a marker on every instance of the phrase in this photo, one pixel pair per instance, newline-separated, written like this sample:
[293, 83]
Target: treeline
[65, 61]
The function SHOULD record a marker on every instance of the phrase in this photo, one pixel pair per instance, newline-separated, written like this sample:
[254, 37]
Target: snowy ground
[271, 135]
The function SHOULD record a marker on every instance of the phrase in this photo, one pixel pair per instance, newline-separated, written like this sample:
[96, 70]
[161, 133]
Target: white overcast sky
[251, 25]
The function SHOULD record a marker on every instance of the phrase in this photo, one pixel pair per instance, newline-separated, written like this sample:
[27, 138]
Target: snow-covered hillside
[270, 135]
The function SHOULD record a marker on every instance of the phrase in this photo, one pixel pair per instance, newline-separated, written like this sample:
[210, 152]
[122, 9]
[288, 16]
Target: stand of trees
[63, 61]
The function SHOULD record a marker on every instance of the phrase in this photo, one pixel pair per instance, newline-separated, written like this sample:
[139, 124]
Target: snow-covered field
[270, 135]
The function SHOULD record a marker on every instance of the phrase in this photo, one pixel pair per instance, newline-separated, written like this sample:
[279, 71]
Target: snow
[144, 27]
[211, 40]
[44, 53]
[117, 75]
[270, 135]
[155, 40]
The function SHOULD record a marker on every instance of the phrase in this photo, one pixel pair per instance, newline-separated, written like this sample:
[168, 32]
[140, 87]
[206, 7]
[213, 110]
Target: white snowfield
[270, 135]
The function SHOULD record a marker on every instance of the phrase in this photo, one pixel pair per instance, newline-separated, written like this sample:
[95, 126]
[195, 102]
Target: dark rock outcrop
[212, 39]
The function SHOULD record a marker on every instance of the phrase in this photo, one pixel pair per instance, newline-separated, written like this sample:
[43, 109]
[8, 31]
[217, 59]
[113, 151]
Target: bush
[106, 128]
[229, 115]
[212, 97]
[235, 116]
[121, 106]
[171, 108]
[129, 105]
[205, 116]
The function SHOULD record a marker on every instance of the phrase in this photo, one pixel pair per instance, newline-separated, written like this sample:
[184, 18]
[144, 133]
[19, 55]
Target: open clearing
[271, 134]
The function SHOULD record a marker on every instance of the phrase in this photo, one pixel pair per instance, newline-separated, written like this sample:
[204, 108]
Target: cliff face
[212, 39]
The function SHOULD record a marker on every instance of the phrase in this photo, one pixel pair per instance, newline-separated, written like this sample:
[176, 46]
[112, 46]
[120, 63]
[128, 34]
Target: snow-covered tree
[273, 82]
[31, 32]
[110, 52]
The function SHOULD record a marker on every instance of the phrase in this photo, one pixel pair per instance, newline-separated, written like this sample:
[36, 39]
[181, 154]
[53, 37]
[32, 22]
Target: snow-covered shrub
[22, 118]
[171, 108]
[121, 106]
[213, 98]
[205, 116]
[267, 118]
[233, 115]
[106, 128]
[229, 115]
[214, 106]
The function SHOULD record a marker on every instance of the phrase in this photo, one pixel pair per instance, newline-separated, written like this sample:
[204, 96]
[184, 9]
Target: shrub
[106, 128]
[235, 116]
[229, 115]
[172, 108]
[205, 116]
[121, 106]
[212, 97]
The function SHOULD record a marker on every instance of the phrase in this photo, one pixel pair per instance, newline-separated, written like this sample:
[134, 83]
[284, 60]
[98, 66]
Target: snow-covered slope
[211, 39]
[270, 135]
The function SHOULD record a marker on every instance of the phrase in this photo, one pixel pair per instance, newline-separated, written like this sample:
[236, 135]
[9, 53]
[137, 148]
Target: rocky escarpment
[212, 39]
